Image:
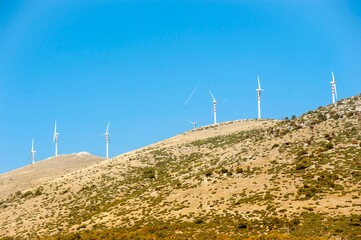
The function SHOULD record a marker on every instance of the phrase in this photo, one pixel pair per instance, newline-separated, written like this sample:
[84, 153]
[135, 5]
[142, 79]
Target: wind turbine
[32, 153]
[55, 139]
[106, 134]
[259, 89]
[214, 107]
[194, 124]
[334, 90]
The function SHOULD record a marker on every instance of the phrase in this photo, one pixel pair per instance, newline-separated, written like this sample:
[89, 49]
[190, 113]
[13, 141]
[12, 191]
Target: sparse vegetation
[293, 179]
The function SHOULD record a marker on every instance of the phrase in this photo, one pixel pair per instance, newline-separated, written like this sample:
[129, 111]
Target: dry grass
[287, 176]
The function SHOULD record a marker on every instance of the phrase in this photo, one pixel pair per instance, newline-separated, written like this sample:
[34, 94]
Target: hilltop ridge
[292, 179]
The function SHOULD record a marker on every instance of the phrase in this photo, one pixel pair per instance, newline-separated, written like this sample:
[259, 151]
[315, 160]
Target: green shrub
[239, 170]
[224, 170]
[242, 224]
[328, 146]
[199, 221]
[149, 172]
[208, 173]
[302, 163]
[38, 191]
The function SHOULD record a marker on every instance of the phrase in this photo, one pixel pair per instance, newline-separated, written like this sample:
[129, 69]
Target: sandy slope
[42, 171]
[205, 132]
[79, 194]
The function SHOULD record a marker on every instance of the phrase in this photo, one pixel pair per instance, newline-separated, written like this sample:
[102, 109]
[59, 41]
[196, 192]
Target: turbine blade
[32, 145]
[333, 77]
[192, 93]
[259, 84]
[107, 131]
[212, 96]
[336, 92]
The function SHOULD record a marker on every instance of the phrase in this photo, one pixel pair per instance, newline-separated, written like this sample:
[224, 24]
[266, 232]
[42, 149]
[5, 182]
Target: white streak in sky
[191, 95]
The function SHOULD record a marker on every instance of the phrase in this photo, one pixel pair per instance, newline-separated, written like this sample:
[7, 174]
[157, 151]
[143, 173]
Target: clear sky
[135, 63]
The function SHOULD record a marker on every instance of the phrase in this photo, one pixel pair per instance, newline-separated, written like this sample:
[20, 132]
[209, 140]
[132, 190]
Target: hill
[38, 173]
[290, 179]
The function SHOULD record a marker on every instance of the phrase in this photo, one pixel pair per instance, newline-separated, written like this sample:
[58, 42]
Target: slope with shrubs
[291, 179]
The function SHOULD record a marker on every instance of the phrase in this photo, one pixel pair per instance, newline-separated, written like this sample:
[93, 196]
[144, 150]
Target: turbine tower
[32, 153]
[106, 134]
[334, 90]
[55, 140]
[259, 89]
[194, 124]
[214, 107]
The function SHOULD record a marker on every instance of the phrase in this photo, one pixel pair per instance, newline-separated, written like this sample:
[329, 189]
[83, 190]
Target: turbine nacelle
[55, 140]
[333, 78]
[107, 140]
[107, 130]
[32, 146]
[214, 107]
[193, 123]
[55, 136]
[32, 152]
[106, 134]
[334, 89]
[259, 89]
[213, 99]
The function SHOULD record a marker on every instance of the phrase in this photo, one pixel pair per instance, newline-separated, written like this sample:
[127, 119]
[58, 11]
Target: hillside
[38, 173]
[289, 179]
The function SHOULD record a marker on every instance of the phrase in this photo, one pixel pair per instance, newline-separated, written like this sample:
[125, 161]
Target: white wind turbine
[193, 123]
[259, 89]
[32, 153]
[106, 134]
[55, 140]
[214, 107]
[334, 90]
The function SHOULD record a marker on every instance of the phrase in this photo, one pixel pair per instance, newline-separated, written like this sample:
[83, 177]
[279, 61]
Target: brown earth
[40, 172]
[242, 169]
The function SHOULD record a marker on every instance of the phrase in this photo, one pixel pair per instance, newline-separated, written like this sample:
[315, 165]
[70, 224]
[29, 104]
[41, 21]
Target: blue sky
[135, 63]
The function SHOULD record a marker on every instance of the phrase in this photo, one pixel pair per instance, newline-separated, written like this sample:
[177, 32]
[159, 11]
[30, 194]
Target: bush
[242, 224]
[308, 191]
[27, 194]
[199, 221]
[224, 170]
[302, 164]
[208, 173]
[321, 117]
[275, 145]
[355, 220]
[149, 173]
[329, 146]
[38, 191]
[239, 170]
